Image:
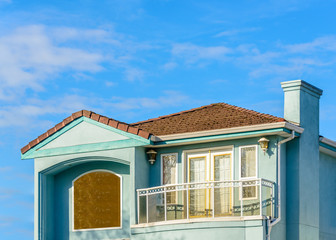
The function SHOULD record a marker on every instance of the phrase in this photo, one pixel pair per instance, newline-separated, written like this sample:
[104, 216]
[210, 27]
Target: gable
[84, 133]
[84, 115]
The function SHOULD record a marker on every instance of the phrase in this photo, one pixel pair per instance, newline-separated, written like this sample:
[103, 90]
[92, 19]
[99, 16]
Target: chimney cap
[301, 85]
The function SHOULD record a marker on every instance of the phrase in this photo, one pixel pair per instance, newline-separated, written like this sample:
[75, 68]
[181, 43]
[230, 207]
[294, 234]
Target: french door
[208, 167]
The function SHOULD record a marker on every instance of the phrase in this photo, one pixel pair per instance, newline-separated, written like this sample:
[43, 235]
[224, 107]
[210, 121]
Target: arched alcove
[97, 200]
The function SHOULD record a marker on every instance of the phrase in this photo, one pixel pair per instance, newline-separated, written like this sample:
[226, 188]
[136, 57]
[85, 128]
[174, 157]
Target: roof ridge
[205, 106]
[92, 115]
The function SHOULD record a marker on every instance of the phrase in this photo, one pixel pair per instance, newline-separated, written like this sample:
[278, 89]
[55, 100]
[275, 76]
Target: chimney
[302, 161]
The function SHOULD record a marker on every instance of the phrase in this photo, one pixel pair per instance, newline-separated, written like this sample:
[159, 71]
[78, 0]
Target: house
[213, 172]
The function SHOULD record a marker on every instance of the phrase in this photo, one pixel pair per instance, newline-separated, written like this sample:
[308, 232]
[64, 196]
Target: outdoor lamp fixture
[151, 156]
[263, 142]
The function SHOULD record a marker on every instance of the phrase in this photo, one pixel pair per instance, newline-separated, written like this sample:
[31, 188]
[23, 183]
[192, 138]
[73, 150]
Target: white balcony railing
[241, 198]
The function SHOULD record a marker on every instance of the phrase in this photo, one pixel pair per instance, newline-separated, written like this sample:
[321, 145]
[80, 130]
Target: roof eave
[223, 131]
[327, 146]
[282, 129]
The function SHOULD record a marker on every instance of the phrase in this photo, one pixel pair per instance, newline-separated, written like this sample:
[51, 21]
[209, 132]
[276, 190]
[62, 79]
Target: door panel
[197, 197]
[222, 195]
[216, 166]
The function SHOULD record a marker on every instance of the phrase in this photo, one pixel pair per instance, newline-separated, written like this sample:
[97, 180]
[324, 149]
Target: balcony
[204, 201]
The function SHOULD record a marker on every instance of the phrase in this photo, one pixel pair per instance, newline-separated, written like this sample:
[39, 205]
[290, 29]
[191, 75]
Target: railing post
[147, 205]
[165, 202]
[187, 200]
[138, 204]
[272, 206]
[213, 199]
[272, 203]
[260, 199]
[241, 199]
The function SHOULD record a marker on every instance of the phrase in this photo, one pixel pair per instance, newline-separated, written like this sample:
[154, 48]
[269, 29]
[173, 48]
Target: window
[248, 170]
[169, 173]
[97, 201]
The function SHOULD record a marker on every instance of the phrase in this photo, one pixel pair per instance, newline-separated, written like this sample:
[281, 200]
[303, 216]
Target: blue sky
[133, 60]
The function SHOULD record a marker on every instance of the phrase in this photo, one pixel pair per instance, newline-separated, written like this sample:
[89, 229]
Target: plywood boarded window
[96, 200]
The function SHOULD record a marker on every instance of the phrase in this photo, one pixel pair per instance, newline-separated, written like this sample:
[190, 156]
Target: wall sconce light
[151, 156]
[263, 142]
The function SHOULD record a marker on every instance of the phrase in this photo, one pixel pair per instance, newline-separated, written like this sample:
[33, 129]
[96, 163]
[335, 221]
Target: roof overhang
[283, 129]
[327, 146]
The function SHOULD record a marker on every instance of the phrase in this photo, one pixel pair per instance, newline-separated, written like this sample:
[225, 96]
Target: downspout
[271, 223]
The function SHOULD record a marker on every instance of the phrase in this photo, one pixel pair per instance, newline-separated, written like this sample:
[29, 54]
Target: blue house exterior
[247, 176]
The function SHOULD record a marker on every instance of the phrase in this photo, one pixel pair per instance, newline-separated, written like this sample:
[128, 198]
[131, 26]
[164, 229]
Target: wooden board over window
[97, 201]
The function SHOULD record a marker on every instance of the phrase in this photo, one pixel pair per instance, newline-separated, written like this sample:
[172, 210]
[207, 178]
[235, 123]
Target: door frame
[209, 154]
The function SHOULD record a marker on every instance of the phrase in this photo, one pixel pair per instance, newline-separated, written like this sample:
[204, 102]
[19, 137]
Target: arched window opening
[96, 201]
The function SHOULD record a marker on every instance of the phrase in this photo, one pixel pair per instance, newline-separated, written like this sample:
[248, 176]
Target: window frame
[249, 178]
[73, 209]
[176, 171]
[186, 153]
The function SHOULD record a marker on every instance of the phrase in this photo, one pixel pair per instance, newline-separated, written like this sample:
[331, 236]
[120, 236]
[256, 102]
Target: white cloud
[192, 53]
[29, 57]
[6, 221]
[233, 32]
[6, 193]
[110, 84]
[327, 43]
[169, 66]
[283, 61]
[25, 114]
[5, 169]
[132, 74]
[168, 99]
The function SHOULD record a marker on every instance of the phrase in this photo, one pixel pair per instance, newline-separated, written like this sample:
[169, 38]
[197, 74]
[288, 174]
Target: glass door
[197, 196]
[222, 171]
[203, 168]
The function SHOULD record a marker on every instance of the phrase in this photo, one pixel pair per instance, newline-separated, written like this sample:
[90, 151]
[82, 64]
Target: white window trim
[185, 162]
[176, 173]
[249, 178]
[72, 202]
[219, 153]
[207, 167]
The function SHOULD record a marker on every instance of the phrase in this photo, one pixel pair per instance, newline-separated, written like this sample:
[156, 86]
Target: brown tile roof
[213, 116]
[99, 118]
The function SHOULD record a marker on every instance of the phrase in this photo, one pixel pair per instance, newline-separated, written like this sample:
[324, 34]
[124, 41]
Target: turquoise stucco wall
[327, 195]
[302, 106]
[237, 230]
[55, 174]
[59, 171]
[267, 163]
[63, 197]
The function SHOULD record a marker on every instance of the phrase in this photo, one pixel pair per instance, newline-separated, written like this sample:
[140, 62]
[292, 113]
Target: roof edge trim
[329, 142]
[287, 125]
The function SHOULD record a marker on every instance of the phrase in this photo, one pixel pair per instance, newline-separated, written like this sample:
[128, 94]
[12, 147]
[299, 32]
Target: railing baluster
[165, 203]
[187, 201]
[138, 207]
[213, 200]
[147, 205]
[260, 208]
[241, 198]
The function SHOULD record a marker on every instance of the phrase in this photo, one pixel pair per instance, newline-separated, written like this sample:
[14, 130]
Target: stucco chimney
[302, 161]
